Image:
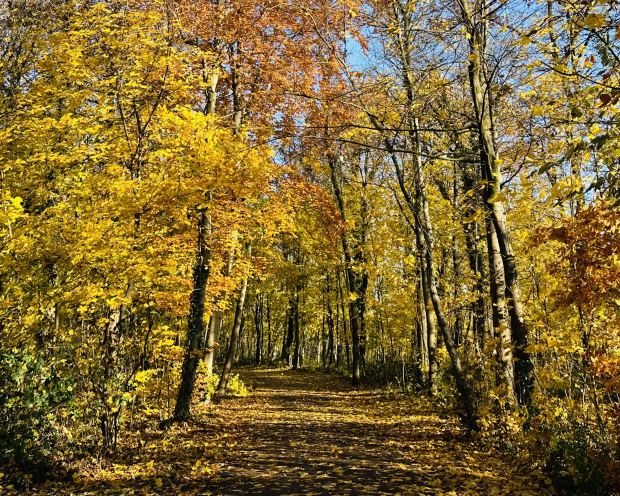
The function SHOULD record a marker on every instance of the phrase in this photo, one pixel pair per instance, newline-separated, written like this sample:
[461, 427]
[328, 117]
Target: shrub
[31, 390]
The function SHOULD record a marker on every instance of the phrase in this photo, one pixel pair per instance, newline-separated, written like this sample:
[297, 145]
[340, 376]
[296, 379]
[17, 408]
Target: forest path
[310, 434]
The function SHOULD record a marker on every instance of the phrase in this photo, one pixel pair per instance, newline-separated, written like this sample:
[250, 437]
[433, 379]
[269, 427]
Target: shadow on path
[309, 434]
[302, 433]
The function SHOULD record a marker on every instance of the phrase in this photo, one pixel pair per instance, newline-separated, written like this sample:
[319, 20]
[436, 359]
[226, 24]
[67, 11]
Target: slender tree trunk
[422, 325]
[322, 356]
[476, 263]
[433, 366]
[330, 330]
[350, 277]
[491, 163]
[420, 211]
[235, 53]
[500, 310]
[269, 343]
[213, 337]
[290, 331]
[234, 336]
[423, 217]
[344, 323]
[497, 285]
[258, 323]
[297, 338]
[215, 323]
[362, 282]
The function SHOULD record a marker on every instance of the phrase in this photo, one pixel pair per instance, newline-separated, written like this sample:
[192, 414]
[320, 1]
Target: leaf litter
[305, 433]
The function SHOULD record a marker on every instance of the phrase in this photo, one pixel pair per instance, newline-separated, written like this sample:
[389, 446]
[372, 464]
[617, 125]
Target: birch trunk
[491, 163]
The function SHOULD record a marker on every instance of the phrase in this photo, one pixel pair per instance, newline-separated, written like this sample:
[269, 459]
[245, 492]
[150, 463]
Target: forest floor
[307, 433]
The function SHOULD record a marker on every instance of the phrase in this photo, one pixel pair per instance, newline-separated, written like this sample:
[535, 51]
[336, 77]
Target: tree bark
[350, 276]
[330, 330]
[481, 97]
[234, 337]
[290, 331]
[200, 277]
[431, 321]
[476, 263]
[500, 310]
[213, 337]
[422, 325]
[258, 324]
[297, 340]
[195, 334]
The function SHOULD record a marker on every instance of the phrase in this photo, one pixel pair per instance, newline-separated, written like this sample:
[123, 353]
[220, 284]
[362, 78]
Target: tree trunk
[330, 330]
[269, 348]
[290, 331]
[431, 322]
[500, 310]
[476, 263]
[491, 163]
[422, 325]
[193, 350]
[258, 324]
[200, 277]
[234, 337]
[344, 323]
[350, 277]
[215, 324]
[297, 340]
[213, 337]
[420, 210]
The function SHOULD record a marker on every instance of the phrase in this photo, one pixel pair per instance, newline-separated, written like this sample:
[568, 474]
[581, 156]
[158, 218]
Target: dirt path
[309, 434]
[298, 433]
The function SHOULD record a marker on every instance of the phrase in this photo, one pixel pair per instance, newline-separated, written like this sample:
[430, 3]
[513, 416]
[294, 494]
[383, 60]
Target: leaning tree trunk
[420, 210]
[234, 338]
[425, 230]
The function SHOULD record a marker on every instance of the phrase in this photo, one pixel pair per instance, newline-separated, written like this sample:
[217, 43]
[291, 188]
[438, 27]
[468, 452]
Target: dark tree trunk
[290, 331]
[330, 330]
[193, 350]
[350, 277]
[269, 348]
[258, 324]
[296, 353]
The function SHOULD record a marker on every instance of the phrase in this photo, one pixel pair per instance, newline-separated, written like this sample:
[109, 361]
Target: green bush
[572, 463]
[31, 390]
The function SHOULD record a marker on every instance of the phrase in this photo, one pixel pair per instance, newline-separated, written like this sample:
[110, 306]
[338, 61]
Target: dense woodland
[421, 195]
